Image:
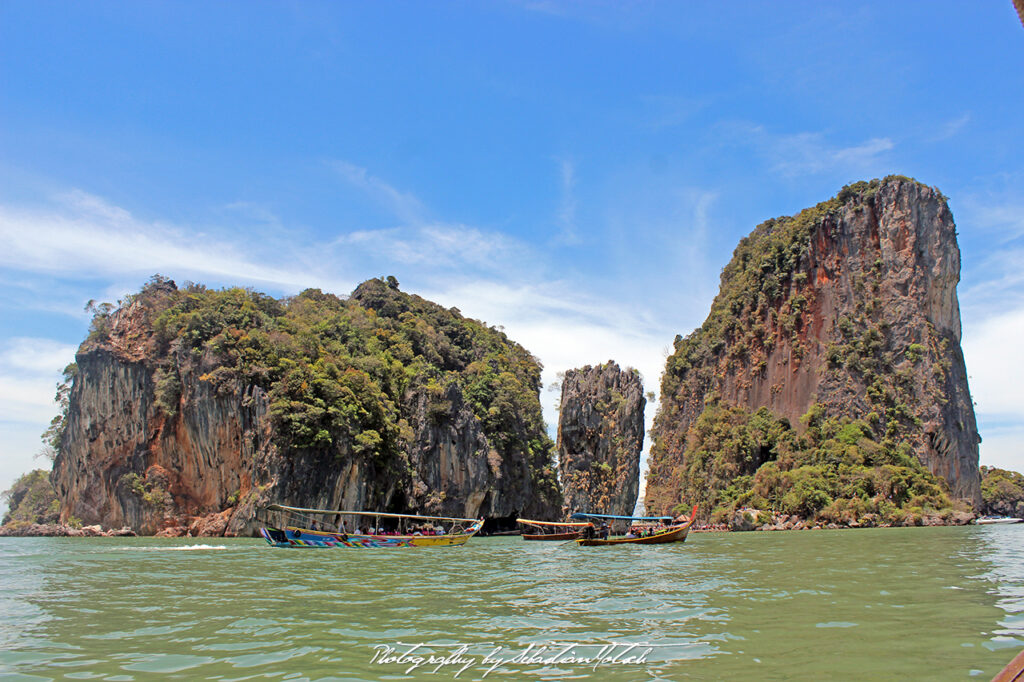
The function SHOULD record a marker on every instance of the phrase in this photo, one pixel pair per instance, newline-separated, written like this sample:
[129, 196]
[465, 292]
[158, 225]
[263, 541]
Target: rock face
[850, 308]
[192, 408]
[1002, 492]
[600, 436]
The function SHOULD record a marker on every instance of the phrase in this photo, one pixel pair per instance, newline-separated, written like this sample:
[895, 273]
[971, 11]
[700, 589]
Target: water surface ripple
[907, 604]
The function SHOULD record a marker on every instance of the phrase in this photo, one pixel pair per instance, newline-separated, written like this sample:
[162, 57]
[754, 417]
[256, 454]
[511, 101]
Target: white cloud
[951, 128]
[254, 212]
[862, 154]
[18, 452]
[1002, 447]
[27, 400]
[996, 371]
[812, 153]
[419, 240]
[996, 374]
[29, 371]
[1000, 216]
[436, 246]
[85, 236]
[567, 204]
[402, 205]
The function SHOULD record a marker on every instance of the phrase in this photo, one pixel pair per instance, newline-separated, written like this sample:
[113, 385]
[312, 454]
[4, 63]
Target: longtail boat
[552, 530]
[669, 532]
[340, 529]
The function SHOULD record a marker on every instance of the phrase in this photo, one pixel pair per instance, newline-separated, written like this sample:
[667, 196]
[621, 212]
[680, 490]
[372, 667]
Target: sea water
[864, 604]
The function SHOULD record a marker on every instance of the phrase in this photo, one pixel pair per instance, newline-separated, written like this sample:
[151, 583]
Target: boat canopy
[554, 523]
[581, 515]
[383, 515]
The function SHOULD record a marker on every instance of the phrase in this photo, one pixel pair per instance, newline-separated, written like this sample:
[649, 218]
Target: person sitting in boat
[603, 535]
[439, 530]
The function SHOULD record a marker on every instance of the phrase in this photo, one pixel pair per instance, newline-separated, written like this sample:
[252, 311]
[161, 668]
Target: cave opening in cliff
[501, 525]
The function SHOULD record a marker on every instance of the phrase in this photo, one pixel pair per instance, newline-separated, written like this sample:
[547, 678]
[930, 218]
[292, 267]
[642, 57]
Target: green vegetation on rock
[31, 500]
[341, 375]
[1002, 491]
[834, 472]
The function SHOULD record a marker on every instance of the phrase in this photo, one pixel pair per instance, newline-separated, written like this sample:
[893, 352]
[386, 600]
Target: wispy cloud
[993, 216]
[29, 371]
[1001, 446]
[403, 205]
[996, 375]
[84, 236]
[567, 206]
[997, 211]
[254, 212]
[951, 128]
[812, 153]
[435, 247]
[418, 240]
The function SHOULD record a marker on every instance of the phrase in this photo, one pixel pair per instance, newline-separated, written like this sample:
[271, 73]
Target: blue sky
[576, 172]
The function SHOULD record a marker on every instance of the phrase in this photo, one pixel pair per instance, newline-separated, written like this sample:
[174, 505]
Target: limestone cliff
[600, 436]
[846, 311]
[191, 407]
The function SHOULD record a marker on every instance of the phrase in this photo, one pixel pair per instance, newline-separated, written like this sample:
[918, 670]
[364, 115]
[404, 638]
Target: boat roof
[582, 515]
[554, 523]
[281, 507]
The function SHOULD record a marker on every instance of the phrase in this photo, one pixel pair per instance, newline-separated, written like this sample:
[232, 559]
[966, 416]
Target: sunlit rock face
[850, 306]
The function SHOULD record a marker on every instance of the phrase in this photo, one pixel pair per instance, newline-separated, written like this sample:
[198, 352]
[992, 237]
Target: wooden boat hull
[552, 536]
[677, 534]
[311, 539]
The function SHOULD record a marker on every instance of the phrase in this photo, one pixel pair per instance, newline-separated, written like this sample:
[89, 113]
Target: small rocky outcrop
[58, 530]
[1002, 492]
[746, 519]
[600, 437]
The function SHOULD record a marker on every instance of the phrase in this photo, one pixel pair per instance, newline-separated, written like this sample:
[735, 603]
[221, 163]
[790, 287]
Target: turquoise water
[871, 604]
